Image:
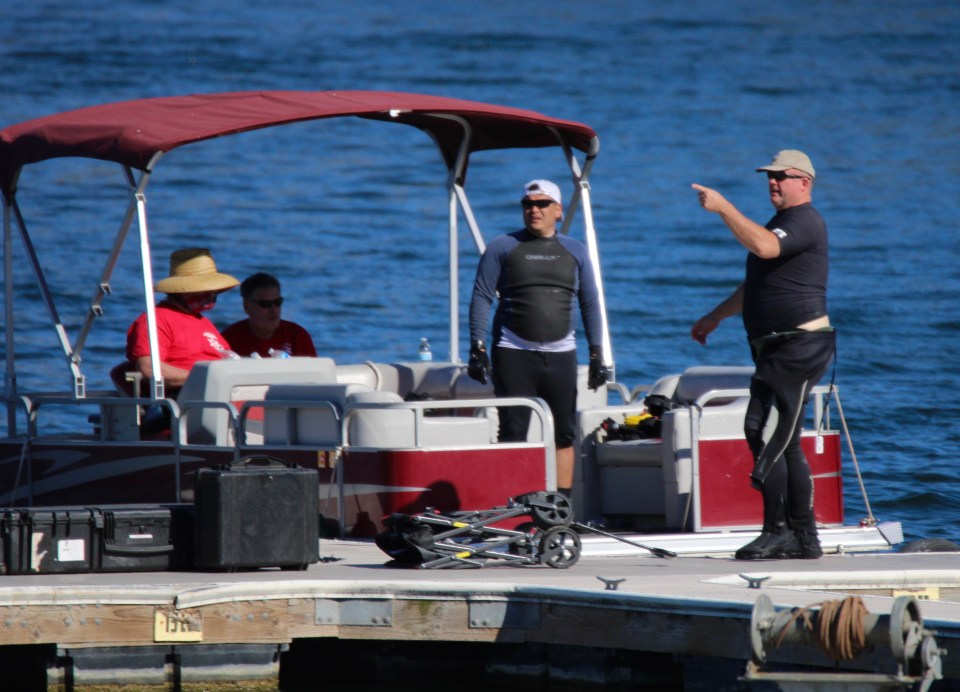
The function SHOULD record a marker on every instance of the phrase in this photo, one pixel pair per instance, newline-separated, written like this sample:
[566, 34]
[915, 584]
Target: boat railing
[180, 429]
[626, 394]
[115, 411]
[425, 422]
[370, 420]
[296, 431]
[427, 429]
[818, 396]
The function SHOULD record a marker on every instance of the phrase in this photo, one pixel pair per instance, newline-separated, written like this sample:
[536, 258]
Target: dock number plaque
[171, 625]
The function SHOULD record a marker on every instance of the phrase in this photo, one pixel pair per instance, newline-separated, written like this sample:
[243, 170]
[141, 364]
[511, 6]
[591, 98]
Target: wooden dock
[70, 629]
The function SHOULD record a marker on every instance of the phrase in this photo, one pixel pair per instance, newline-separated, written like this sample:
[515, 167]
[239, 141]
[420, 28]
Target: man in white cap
[185, 335]
[783, 300]
[538, 276]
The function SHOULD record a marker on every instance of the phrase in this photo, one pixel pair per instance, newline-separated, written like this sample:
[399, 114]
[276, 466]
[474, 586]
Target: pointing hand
[711, 200]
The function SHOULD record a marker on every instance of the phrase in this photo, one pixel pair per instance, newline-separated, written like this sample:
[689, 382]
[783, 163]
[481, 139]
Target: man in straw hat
[185, 335]
[783, 299]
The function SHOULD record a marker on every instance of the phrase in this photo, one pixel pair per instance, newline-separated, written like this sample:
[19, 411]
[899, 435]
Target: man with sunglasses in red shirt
[783, 300]
[263, 332]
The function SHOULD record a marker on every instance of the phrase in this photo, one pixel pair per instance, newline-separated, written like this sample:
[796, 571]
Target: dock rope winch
[837, 628]
[843, 630]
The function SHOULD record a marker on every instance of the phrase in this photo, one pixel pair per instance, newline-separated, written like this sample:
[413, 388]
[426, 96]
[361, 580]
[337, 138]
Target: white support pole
[156, 381]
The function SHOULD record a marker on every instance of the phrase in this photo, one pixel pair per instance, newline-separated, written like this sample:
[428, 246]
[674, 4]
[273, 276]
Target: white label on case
[71, 550]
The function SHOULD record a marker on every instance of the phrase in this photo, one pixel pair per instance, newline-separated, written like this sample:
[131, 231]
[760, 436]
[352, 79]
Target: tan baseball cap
[790, 158]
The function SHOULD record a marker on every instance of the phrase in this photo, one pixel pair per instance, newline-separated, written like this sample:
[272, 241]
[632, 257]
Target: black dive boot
[809, 545]
[775, 542]
[771, 545]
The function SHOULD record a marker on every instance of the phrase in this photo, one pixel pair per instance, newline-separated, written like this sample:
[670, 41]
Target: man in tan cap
[783, 300]
[185, 335]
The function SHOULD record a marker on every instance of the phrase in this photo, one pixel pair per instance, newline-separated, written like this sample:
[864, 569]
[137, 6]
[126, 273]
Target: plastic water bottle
[278, 353]
[227, 354]
[423, 351]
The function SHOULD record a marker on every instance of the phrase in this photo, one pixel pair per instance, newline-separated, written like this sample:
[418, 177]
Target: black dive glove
[598, 373]
[479, 364]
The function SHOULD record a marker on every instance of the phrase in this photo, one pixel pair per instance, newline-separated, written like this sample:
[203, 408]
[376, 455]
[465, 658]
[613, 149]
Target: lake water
[699, 91]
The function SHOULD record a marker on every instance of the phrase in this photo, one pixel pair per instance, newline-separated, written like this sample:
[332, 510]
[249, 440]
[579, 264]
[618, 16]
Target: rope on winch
[837, 627]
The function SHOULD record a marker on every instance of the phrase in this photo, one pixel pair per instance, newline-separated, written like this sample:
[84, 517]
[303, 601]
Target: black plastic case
[48, 540]
[111, 538]
[256, 512]
[144, 538]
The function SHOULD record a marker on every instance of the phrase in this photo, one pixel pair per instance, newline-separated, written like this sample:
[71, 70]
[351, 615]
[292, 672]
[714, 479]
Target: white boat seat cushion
[313, 423]
[237, 381]
[697, 381]
[393, 427]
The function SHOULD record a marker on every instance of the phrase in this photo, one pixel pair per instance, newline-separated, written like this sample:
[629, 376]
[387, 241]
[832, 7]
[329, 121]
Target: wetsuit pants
[787, 368]
[550, 376]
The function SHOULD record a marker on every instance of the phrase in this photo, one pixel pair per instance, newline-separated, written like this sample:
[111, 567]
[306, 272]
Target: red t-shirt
[184, 338]
[289, 337]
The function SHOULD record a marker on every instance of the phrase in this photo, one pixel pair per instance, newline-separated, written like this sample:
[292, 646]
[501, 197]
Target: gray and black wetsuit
[538, 282]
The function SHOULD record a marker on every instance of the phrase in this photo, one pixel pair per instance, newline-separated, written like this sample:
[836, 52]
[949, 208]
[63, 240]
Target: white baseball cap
[543, 187]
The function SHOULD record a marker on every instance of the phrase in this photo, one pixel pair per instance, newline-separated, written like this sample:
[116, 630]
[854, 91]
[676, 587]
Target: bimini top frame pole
[72, 352]
[11, 391]
[581, 196]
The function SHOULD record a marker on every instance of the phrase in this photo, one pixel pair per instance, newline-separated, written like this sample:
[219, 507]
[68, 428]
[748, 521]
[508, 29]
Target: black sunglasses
[780, 175]
[266, 304]
[538, 203]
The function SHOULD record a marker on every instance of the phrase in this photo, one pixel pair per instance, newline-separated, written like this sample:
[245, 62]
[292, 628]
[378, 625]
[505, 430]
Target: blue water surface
[351, 214]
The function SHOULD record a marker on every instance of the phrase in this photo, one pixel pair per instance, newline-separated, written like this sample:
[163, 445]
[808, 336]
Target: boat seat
[311, 424]
[437, 382]
[422, 380]
[388, 377]
[238, 381]
[701, 379]
[390, 423]
[465, 387]
[365, 373]
[665, 386]
[380, 427]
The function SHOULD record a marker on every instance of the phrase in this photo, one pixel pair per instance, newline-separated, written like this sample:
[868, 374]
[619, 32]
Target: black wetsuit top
[537, 280]
[786, 291]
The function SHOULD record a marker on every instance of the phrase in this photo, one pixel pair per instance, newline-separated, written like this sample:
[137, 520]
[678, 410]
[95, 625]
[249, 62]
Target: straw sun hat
[192, 270]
